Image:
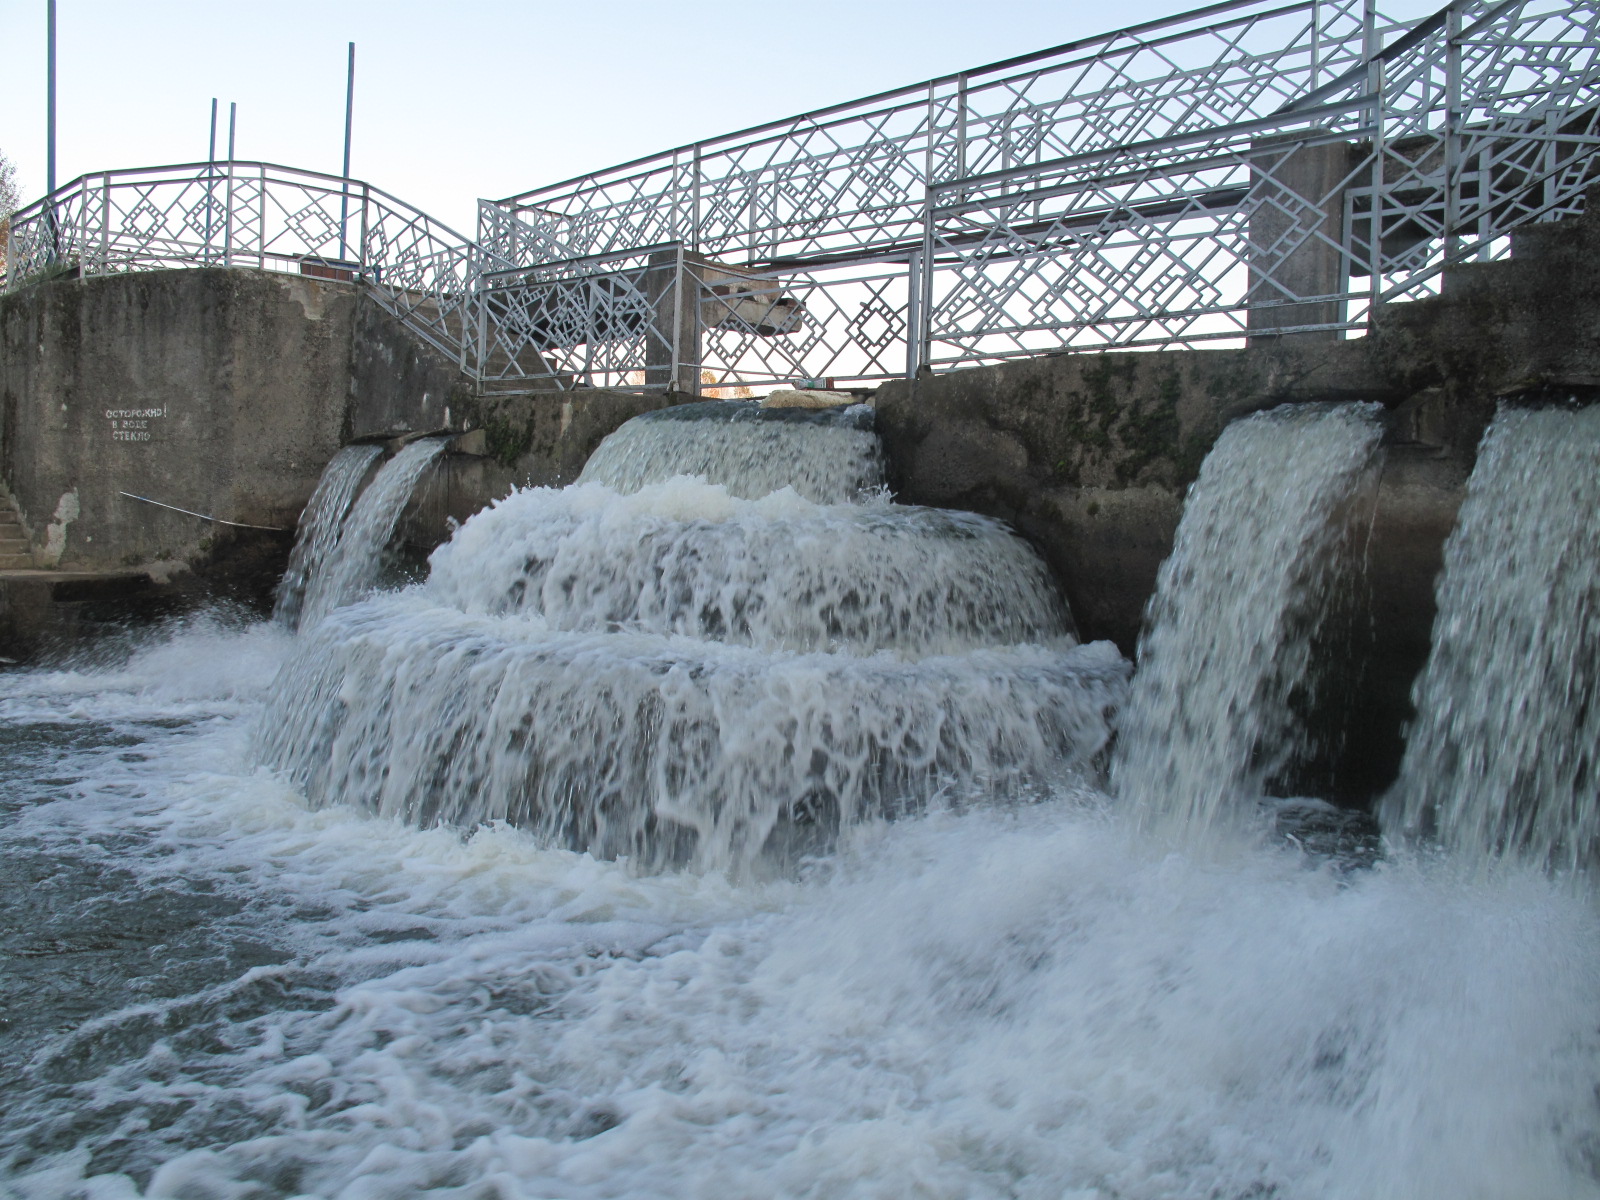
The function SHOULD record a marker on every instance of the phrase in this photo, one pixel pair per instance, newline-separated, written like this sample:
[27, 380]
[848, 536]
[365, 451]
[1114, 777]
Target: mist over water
[237, 982]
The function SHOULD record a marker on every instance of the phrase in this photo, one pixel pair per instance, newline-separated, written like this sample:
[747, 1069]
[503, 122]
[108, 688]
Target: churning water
[826, 455]
[220, 981]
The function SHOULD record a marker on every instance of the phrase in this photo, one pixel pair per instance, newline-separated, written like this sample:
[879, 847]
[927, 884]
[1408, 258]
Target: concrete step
[12, 562]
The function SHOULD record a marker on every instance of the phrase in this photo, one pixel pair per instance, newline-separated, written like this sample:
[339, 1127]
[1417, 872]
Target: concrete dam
[1063, 665]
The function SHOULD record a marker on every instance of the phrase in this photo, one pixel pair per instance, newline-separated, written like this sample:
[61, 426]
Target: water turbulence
[681, 674]
[321, 525]
[1229, 633]
[223, 981]
[351, 566]
[826, 455]
[1504, 757]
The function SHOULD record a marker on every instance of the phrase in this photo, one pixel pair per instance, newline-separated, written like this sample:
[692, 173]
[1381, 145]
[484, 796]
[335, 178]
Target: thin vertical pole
[211, 170]
[349, 116]
[227, 213]
[50, 101]
[1452, 133]
[50, 132]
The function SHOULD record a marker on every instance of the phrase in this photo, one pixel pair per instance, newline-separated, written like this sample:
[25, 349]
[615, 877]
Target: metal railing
[1251, 169]
[265, 216]
[1246, 170]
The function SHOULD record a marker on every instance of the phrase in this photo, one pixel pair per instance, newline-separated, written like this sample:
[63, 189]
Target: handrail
[1138, 188]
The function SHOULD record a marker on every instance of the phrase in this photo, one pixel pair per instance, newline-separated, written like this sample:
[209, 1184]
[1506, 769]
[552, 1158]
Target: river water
[218, 983]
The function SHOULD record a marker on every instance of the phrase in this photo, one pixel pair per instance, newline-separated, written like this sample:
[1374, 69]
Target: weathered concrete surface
[220, 392]
[226, 392]
[398, 383]
[1089, 456]
[541, 440]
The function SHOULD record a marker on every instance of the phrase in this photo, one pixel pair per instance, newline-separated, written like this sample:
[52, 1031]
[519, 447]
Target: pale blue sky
[483, 97]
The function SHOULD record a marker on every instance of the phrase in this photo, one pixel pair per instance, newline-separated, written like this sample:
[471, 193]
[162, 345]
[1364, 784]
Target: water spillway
[1504, 756]
[677, 673]
[778, 573]
[826, 455]
[1229, 632]
[321, 525]
[382, 971]
[349, 565]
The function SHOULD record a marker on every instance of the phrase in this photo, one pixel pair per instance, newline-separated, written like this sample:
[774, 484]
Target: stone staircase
[15, 549]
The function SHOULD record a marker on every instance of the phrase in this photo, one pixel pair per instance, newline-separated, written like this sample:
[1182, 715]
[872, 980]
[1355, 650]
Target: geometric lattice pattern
[1250, 169]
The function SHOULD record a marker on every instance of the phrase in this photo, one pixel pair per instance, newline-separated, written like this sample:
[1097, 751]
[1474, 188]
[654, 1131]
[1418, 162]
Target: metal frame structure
[1251, 169]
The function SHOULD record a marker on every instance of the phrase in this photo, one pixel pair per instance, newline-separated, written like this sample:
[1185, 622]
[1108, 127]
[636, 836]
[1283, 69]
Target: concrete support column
[1296, 230]
[672, 341]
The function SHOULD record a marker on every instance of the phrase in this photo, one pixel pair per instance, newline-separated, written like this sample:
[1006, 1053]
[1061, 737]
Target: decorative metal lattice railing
[251, 214]
[1249, 169]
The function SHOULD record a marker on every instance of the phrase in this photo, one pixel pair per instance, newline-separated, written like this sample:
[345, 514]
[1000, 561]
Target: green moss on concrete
[507, 440]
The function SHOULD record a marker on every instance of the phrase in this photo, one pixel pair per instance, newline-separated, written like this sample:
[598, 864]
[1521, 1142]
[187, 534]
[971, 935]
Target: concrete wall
[1089, 456]
[226, 392]
[221, 392]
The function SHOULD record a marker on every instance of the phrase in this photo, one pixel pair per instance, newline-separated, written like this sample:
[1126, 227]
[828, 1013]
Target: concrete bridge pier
[1296, 235]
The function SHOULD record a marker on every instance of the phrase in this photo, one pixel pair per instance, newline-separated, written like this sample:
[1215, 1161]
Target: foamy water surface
[211, 990]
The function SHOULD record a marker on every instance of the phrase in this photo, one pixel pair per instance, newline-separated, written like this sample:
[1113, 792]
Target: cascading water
[321, 525]
[1229, 632]
[682, 674]
[780, 573]
[1504, 757]
[826, 455]
[352, 565]
[214, 984]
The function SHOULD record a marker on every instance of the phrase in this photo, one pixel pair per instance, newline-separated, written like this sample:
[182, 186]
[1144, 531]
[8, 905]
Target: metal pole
[211, 170]
[50, 133]
[233, 124]
[50, 102]
[349, 115]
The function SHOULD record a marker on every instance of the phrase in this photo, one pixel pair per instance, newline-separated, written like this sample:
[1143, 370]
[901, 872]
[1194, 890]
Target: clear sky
[482, 97]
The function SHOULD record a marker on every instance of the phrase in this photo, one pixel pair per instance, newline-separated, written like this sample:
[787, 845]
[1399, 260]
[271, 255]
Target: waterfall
[680, 674]
[1229, 632]
[1502, 758]
[351, 566]
[320, 526]
[776, 573]
[826, 455]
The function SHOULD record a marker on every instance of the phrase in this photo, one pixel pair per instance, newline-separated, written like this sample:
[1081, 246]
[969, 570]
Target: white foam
[665, 748]
[685, 557]
[1038, 1003]
[830, 458]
